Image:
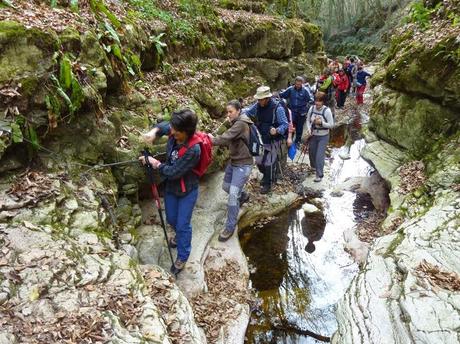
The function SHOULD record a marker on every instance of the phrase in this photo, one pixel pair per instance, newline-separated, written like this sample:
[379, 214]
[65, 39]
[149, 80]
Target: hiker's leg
[184, 226]
[344, 98]
[239, 178]
[312, 147]
[171, 205]
[332, 106]
[227, 178]
[264, 165]
[360, 94]
[321, 155]
[299, 127]
[340, 99]
[284, 153]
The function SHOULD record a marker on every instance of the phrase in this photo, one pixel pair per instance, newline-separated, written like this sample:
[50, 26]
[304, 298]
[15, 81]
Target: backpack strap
[191, 142]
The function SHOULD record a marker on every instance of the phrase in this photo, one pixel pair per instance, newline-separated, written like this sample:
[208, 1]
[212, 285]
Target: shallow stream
[297, 289]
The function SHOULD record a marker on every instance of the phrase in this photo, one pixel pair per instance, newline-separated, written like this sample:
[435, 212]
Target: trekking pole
[156, 197]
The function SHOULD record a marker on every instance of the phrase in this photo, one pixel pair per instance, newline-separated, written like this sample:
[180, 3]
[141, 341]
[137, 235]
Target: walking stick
[156, 197]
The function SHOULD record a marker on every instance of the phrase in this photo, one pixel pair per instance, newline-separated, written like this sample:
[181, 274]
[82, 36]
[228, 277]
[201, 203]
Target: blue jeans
[179, 211]
[317, 153]
[234, 180]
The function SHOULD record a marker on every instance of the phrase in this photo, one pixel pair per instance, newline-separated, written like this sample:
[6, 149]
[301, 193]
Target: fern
[65, 73]
[32, 135]
[98, 6]
[158, 43]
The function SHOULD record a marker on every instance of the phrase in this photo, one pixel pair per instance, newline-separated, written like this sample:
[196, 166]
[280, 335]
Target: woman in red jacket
[342, 88]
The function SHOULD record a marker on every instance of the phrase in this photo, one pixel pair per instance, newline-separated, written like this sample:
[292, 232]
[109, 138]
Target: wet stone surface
[298, 265]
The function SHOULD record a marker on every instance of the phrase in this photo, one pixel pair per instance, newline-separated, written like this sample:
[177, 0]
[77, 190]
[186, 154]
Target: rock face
[76, 245]
[395, 298]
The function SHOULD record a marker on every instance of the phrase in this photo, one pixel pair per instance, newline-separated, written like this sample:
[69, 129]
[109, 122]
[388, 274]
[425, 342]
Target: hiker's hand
[142, 160]
[150, 136]
[211, 135]
[154, 162]
[318, 120]
[273, 131]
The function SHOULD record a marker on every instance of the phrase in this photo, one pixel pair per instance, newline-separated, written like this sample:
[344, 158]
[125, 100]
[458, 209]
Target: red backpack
[205, 143]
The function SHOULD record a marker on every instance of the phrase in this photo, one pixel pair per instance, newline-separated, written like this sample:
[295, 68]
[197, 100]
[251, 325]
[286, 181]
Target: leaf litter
[412, 176]
[438, 277]
[222, 302]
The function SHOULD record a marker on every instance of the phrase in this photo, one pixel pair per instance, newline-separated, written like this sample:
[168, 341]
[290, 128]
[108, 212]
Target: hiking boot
[244, 198]
[317, 179]
[172, 242]
[225, 235]
[265, 189]
[177, 267]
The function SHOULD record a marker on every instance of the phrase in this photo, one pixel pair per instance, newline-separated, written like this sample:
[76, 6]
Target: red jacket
[343, 83]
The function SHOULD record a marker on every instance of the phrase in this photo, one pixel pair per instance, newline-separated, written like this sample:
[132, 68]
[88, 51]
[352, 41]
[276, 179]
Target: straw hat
[263, 92]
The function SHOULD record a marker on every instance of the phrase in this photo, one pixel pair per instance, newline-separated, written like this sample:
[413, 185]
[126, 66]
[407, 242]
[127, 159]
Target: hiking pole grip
[151, 177]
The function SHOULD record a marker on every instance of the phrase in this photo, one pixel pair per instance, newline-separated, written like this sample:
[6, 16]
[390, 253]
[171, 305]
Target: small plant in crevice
[65, 96]
[160, 47]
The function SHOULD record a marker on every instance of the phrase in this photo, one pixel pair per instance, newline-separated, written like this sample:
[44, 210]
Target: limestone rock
[310, 208]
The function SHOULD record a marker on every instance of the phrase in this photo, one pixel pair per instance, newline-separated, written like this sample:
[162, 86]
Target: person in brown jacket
[237, 172]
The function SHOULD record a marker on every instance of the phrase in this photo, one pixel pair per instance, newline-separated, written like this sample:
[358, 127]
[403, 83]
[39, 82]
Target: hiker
[316, 133]
[270, 118]
[352, 71]
[313, 226]
[334, 65]
[238, 170]
[361, 83]
[342, 88]
[327, 86]
[298, 102]
[181, 183]
[346, 63]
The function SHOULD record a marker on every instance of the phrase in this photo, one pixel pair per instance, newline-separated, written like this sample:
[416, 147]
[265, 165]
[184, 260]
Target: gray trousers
[234, 180]
[317, 153]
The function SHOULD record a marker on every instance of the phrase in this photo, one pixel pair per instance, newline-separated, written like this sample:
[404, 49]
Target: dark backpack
[255, 143]
[313, 126]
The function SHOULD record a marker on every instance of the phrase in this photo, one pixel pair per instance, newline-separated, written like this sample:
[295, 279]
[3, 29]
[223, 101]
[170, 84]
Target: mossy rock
[429, 72]
[70, 40]
[273, 38]
[27, 54]
[410, 122]
[92, 52]
[313, 37]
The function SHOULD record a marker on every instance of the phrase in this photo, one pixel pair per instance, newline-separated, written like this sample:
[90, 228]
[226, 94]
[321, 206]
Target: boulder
[310, 208]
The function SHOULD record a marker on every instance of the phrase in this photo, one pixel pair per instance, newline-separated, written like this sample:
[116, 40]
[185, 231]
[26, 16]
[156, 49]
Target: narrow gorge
[83, 258]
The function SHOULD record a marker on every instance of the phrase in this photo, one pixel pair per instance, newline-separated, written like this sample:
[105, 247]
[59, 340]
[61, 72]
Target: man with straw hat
[270, 118]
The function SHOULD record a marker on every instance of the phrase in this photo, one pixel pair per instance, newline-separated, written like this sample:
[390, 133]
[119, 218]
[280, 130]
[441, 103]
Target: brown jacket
[236, 138]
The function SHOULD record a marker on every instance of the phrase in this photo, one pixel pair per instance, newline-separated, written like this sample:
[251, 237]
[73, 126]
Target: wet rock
[337, 193]
[310, 208]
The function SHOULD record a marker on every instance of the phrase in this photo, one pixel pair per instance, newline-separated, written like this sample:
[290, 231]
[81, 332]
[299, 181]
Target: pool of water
[296, 287]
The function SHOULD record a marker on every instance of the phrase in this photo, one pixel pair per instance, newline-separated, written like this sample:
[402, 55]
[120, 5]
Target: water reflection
[298, 287]
[313, 227]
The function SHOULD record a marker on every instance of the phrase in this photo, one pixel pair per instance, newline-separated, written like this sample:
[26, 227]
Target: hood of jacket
[243, 118]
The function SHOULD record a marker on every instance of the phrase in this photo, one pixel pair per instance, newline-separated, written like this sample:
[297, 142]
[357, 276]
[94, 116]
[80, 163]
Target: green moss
[394, 244]
[411, 123]
[26, 53]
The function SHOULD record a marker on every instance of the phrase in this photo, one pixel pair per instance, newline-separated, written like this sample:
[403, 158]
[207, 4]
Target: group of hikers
[260, 133]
